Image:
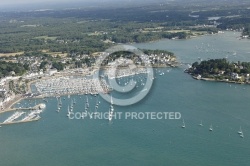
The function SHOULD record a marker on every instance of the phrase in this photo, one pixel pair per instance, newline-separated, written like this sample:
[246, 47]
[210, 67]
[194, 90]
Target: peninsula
[221, 70]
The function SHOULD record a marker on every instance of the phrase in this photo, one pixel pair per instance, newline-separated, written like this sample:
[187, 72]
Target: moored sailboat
[183, 124]
[211, 128]
[111, 110]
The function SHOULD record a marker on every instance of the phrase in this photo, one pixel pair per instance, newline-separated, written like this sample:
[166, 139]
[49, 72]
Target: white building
[52, 72]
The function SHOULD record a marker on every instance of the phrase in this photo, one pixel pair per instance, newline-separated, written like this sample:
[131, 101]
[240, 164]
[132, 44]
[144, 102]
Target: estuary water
[55, 140]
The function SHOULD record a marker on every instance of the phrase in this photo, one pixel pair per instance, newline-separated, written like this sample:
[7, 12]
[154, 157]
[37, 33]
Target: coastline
[20, 97]
[11, 103]
[214, 80]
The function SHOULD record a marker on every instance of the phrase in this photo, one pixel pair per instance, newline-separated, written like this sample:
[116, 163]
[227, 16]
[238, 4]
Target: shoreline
[20, 97]
[214, 80]
[11, 104]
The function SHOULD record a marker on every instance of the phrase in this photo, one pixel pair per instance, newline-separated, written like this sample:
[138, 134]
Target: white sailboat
[96, 106]
[211, 128]
[87, 102]
[58, 106]
[71, 105]
[161, 74]
[240, 131]
[60, 101]
[68, 114]
[201, 124]
[183, 124]
[111, 110]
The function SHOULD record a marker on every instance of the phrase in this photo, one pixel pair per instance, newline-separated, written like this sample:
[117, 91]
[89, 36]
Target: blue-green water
[58, 141]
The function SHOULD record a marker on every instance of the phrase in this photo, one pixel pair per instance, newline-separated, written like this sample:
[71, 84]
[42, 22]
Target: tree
[58, 65]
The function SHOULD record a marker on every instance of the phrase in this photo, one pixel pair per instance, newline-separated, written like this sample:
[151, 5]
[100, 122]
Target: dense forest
[72, 36]
[9, 68]
[88, 30]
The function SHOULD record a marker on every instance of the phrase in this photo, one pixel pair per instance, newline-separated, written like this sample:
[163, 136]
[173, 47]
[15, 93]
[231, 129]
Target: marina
[17, 117]
[124, 72]
[70, 85]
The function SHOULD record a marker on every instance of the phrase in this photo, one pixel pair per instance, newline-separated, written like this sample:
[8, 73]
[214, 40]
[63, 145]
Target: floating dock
[21, 121]
[39, 106]
[31, 117]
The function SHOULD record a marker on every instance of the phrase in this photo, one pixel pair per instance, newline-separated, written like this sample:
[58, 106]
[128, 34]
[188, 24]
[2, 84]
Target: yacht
[96, 107]
[68, 114]
[183, 124]
[87, 102]
[240, 131]
[86, 109]
[161, 74]
[60, 101]
[71, 105]
[201, 124]
[211, 128]
[111, 110]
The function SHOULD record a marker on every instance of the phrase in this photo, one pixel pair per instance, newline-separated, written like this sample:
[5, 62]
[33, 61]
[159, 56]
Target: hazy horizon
[14, 2]
[23, 5]
[55, 4]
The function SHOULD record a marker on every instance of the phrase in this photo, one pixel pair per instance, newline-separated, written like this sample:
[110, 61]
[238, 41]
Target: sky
[13, 2]
[47, 4]
[30, 1]
[22, 5]
[10, 2]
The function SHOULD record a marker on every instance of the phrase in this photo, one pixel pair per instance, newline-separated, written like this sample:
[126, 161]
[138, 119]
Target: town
[55, 75]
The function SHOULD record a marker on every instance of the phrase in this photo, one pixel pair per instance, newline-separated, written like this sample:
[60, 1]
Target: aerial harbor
[140, 83]
[51, 80]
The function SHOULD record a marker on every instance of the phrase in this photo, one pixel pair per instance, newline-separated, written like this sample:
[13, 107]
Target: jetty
[39, 106]
[21, 121]
[33, 115]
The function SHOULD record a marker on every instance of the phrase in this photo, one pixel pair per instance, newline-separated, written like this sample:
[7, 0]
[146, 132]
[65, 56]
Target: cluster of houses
[152, 59]
[163, 59]
[5, 94]
[233, 77]
[69, 62]
[236, 76]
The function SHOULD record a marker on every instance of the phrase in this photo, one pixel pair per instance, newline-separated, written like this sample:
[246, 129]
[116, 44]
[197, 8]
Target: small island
[221, 70]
